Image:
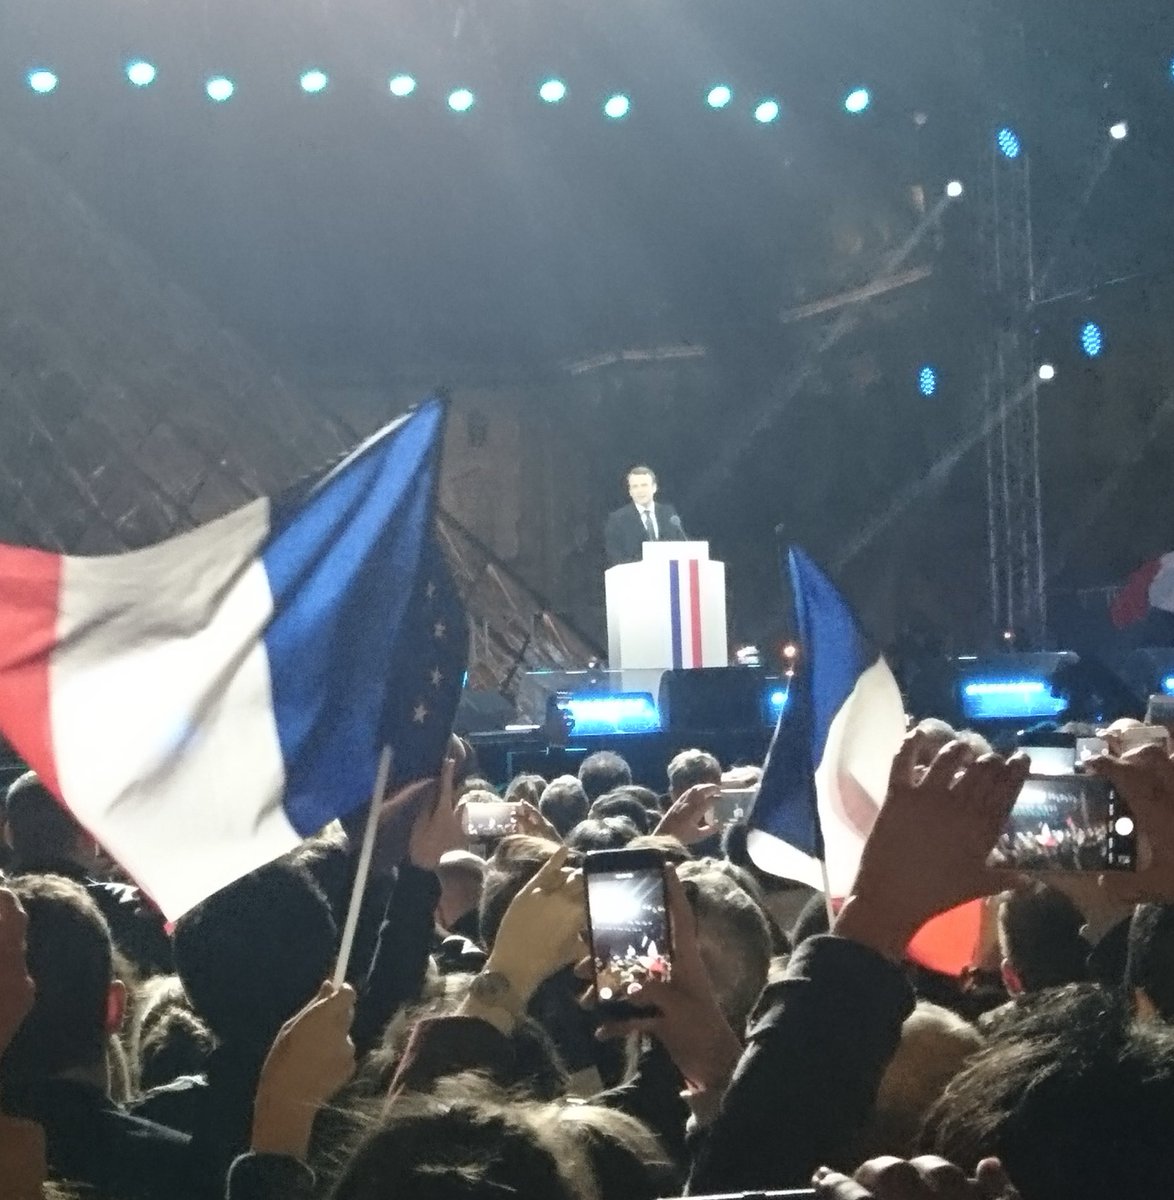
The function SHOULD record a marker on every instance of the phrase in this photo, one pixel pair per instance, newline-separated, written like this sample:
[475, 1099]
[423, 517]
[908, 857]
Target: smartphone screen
[1051, 760]
[488, 820]
[1089, 747]
[627, 913]
[733, 804]
[1067, 823]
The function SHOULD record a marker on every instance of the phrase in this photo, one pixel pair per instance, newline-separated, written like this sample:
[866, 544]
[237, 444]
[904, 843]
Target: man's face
[641, 488]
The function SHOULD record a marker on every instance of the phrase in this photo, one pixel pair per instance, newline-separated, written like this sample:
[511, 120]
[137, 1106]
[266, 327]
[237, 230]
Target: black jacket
[624, 534]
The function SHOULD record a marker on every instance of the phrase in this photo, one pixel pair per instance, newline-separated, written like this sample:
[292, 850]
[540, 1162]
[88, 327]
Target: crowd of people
[465, 1057]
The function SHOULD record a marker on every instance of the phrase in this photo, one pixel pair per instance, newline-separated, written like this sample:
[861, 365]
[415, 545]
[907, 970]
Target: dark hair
[603, 772]
[639, 469]
[40, 828]
[172, 1042]
[454, 1146]
[526, 787]
[1075, 1098]
[811, 921]
[622, 804]
[70, 959]
[254, 953]
[1039, 932]
[601, 833]
[1150, 964]
[564, 803]
[514, 862]
[691, 767]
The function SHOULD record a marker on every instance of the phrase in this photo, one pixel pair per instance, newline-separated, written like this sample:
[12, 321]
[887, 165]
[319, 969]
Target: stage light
[461, 100]
[954, 189]
[1119, 131]
[719, 96]
[1092, 339]
[42, 81]
[1001, 699]
[927, 380]
[401, 85]
[141, 73]
[313, 81]
[767, 111]
[617, 106]
[609, 713]
[219, 88]
[1008, 142]
[857, 100]
[1168, 685]
[1046, 372]
[552, 91]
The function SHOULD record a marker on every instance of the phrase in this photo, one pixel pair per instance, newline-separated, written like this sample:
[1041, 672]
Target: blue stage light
[42, 81]
[767, 111]
[461, 100]
[141, 73]
[617, 106]
[857, 100]
[610, 713]
[1008, 142]
[1092, 339]
[719, 96]
[552, 91]
[219, 88]
[1168, 685]
[995, 699]
[313, 81]
[401, 85]
[927, 380]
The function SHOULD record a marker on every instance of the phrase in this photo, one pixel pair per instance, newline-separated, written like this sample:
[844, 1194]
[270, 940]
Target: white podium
[666, 612]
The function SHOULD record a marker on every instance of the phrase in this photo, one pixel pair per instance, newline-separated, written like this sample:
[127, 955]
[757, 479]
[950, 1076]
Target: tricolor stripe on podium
[685, 608]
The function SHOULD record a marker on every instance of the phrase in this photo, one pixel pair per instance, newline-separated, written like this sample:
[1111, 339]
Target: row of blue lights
[220, 88]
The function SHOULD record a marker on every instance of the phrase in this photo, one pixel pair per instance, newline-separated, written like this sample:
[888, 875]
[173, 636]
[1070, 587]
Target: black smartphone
[1067, 823]
[628, 919]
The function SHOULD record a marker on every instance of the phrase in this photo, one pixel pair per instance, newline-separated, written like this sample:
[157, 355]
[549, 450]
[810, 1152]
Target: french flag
[827, 770]
[1150, 586]
[204, 704]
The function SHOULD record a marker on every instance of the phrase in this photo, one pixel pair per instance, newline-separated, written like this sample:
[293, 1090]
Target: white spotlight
[1119, 131]
[1047, 372]
[954, 189]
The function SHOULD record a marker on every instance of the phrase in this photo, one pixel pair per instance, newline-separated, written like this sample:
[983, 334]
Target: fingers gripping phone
[628, 919]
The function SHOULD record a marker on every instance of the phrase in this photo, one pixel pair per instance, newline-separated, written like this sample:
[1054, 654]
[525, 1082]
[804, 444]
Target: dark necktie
[648, 525]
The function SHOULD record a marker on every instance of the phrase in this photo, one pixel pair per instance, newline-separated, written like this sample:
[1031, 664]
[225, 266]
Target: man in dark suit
[644, 520]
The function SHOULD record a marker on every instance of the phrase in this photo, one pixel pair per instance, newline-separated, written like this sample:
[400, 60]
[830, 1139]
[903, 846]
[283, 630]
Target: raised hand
[310, 1059]
[928, 849]
[437, 827]
[687, 818]
[532, 822]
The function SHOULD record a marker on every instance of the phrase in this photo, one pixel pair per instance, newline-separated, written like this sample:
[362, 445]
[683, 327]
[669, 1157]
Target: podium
[665, 613]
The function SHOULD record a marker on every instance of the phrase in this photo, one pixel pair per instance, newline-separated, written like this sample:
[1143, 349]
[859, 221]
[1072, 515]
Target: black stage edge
[502, 755]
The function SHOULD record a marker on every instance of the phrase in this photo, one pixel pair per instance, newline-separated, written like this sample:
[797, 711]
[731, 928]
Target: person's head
[641, 485]
[252, 954]
[1075, 1097]
[601, 833]
[935, 1044]
[564, 803]
[733, 937]
[40, 831]
[692, 767]
[1149, 968]
[78, 1002]
[1039, 937]
[603, 772]
[622, 804]
[514, 862]
[461, 875]
[526, 787]
[461, 1142]
[626, 1160]
[167, 1039]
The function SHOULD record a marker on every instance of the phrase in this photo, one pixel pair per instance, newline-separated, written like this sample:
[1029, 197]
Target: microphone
[675, 523]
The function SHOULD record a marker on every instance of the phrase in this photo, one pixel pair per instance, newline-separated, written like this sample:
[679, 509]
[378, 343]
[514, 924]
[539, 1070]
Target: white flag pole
[382, 774]
[827, 891]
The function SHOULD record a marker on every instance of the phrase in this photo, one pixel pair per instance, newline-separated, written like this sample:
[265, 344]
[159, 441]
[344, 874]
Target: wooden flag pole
[382, 774]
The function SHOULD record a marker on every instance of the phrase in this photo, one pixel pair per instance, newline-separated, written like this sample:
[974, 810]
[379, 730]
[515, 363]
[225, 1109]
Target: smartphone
[1067, 823]
[1144, 735]
[1089, 747]
[488, 820]
[628, 920]
[733, 804]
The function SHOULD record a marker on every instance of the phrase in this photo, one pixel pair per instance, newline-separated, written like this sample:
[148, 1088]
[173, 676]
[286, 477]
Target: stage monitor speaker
[712, 698]
[1013, 686]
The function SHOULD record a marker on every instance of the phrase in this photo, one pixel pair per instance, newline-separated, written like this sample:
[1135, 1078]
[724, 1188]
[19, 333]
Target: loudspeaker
[711, 698]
